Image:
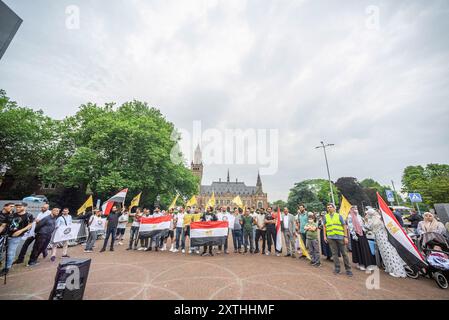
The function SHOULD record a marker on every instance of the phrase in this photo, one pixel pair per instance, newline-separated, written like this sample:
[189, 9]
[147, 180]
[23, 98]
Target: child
[311, 230]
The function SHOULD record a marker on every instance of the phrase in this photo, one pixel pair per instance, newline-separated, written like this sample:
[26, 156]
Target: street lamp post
[327, 166]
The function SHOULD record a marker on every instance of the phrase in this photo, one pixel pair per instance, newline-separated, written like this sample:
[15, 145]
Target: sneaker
[197, 251]
[88, 251]
[226, 252]
[183, 251]
[287, 255]
[336, 271]
[32, 264]
[112, 249]
[256, 251]
[102, 250]
[267, 253]
[129, 248]
[362, 268]
[140, 249]
[135, 248]
[204, 254]
[18, 261]
[53, 258]
[349, 273]
[219, 252]
[211, 254]
[175, 250]
[120, 243]
[278, 254]
[317, 265]
[190, 251]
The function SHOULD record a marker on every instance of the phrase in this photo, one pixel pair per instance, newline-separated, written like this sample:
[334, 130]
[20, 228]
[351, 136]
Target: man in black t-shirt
[111, 228]
[270, 223]
[18, 223]
[4, 216]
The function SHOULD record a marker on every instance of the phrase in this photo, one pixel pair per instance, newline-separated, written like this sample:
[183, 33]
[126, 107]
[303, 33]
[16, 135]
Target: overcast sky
[375, 85]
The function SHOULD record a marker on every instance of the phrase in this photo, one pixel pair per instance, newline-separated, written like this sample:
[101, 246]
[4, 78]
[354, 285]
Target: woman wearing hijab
[361, 253]
[394, 264]
[430, 224]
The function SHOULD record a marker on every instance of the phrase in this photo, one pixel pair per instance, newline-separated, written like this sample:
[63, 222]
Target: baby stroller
[435, 248]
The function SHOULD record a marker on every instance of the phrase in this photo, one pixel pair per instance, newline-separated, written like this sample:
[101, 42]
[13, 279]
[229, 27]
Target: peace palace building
[226, 191]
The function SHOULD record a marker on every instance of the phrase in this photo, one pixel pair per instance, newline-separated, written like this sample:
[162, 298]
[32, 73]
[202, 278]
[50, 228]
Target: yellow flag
[211, 202]
[303, 248]
[173, 204]
[191, 202]
[135, 202]
[345, 207]
[88, 204]
[238, 201]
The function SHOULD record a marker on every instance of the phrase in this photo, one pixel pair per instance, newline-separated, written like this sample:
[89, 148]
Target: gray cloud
[311, 69]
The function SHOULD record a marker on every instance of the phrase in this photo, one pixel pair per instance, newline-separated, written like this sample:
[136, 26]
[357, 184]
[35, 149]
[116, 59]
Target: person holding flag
[336, 235]
[394, 265]
[278, 233]
[134, 234]
[111, 227]
[209, 215]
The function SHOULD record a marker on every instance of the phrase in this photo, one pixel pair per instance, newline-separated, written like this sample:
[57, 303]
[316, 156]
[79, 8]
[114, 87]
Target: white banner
[98, 224]
[65, 233]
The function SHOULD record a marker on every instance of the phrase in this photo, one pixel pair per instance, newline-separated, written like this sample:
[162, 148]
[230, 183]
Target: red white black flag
[208, 233]
[405, 247]
[154, 227]
[108, 204]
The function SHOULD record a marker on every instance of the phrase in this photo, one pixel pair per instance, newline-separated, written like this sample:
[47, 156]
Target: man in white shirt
[179, 222]
[64, 220]
[223, 215]
[288, 227]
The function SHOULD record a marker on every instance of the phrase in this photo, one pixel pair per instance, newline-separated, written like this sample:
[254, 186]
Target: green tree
[314, 193]
[26, 140]
[432, 182]
[279, 203]
[108, 148]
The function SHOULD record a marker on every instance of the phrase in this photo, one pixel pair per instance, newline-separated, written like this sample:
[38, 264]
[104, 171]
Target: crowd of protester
[251, 230]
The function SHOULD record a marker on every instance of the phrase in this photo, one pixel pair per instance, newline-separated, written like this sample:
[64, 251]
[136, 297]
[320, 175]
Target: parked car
[36, 198]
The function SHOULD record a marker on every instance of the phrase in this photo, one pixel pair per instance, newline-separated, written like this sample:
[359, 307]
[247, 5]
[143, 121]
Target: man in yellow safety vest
[336, 235]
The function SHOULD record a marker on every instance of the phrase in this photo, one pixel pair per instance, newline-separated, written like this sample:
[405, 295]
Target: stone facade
[226, 191]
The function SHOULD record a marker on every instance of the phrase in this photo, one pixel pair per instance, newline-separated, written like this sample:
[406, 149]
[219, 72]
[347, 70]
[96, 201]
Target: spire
[259, 184]
[228, 177]
[197, 158]
[259, 181]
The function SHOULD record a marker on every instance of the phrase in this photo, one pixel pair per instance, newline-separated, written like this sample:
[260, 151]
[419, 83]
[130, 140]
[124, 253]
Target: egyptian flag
[399, 239]
[154, 227]
[208, 233]
[119, 197]
[278, 231]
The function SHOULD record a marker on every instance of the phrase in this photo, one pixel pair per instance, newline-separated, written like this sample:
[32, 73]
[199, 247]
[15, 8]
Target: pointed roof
[259, 181]
[228, 177]
[197, 157]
